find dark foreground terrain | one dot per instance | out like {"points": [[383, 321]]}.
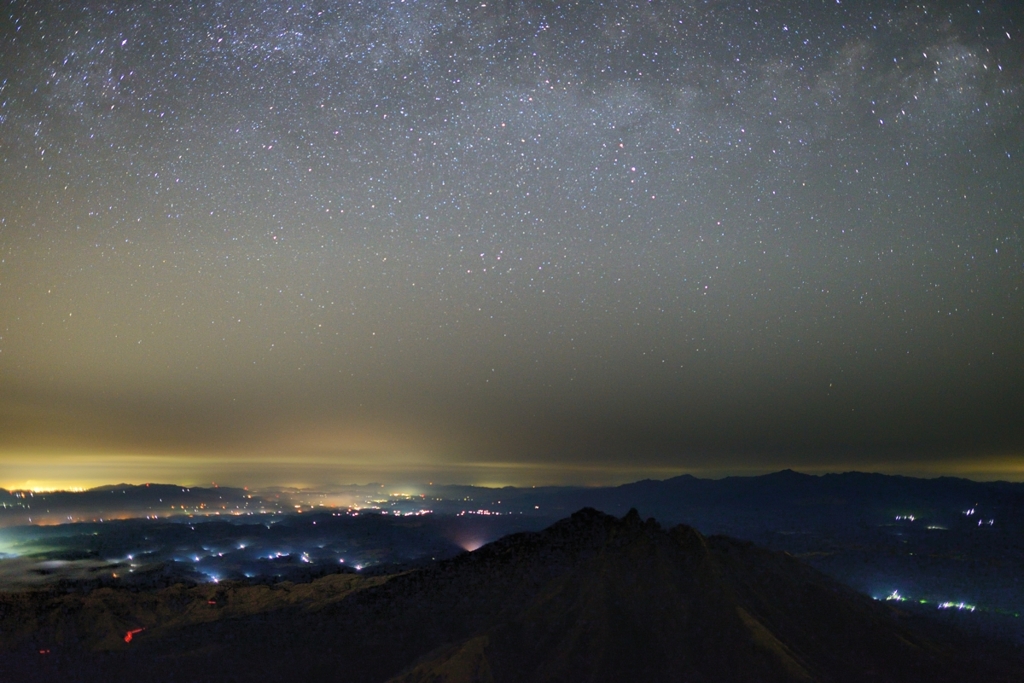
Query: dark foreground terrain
{"points": [[951, 548], [591, 598]]}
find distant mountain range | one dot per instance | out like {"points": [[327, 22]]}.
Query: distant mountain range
{"points": [[712, 505], [787, 497], [125, 500], [591, 598]]}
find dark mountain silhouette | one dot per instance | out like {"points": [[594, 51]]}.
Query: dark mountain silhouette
{"points": [[591, 598], [788, 499], [123, 501]]}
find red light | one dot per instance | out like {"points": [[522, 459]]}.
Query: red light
{"points": [[128, 636]]}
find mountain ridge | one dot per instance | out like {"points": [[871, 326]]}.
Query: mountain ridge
{"points": [[590, 598]]}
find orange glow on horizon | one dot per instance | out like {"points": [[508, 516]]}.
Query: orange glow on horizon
{"points": [[47, 472]]}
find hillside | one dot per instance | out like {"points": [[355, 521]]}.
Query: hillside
{"points": [[591, 598]]}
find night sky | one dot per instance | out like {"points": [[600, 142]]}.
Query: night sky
{"points": [[509, 242]]}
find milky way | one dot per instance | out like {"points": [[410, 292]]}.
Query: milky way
{"points": [[509, 241]]}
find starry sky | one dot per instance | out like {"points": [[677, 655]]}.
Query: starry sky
{"points": [[509, 242]]}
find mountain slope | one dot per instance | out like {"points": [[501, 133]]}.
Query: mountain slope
{"points": [[654, 605], [591, 598]]}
